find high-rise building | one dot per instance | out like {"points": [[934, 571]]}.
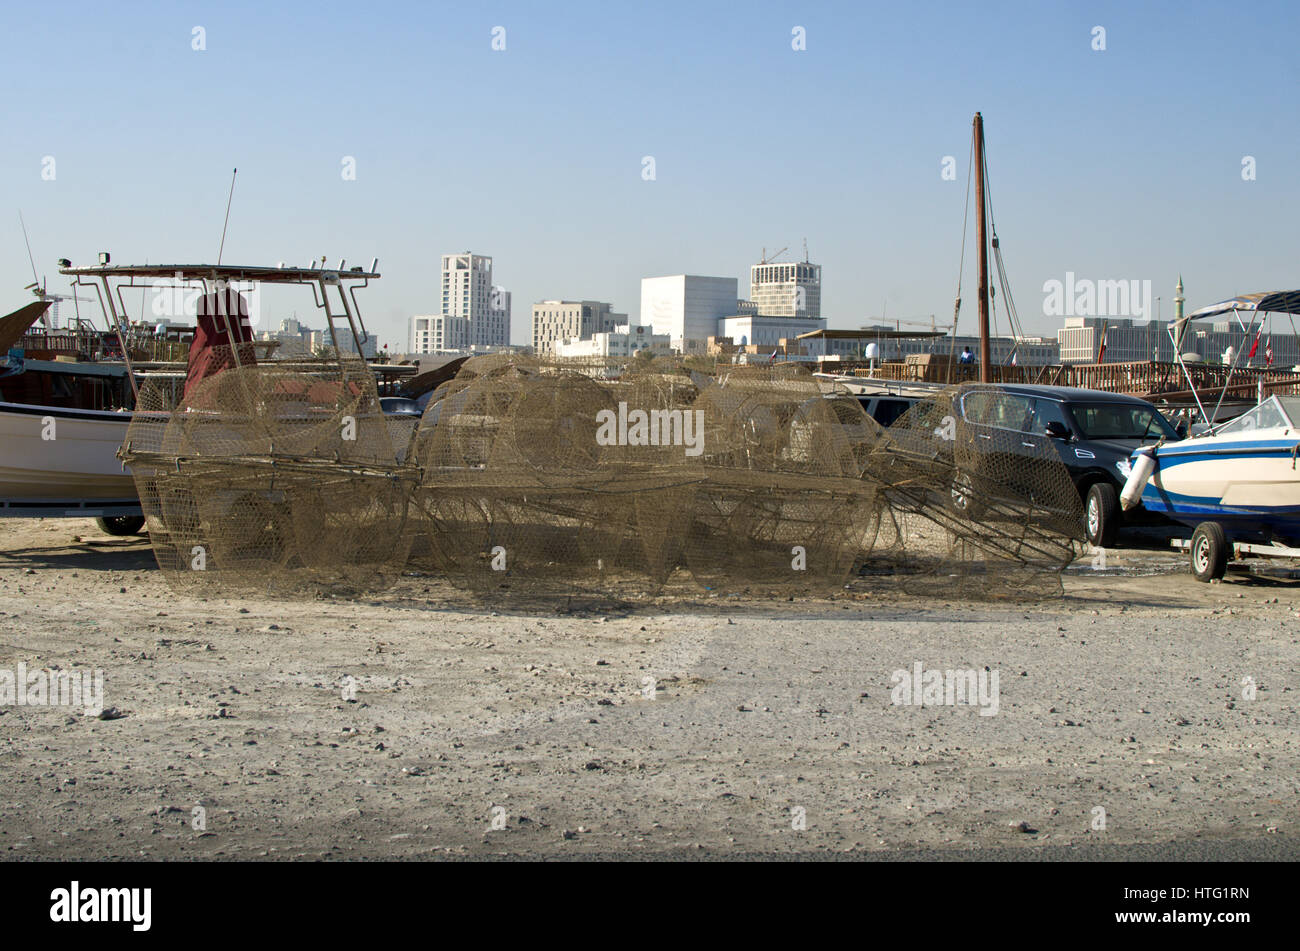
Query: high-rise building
{"points": [[437, 333], [687, 307], [467, 292], [499, 309], [786, 290], [473, 313], [555, 321], [1129, 341]]}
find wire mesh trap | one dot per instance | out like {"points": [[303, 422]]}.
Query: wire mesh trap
{"points": [[532, 479], [266, 479]]}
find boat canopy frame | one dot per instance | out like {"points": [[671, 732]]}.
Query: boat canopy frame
{"points": [[1257, 305], [108, 281], [1274, 302]]}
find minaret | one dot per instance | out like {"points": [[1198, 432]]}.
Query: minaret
{"points": [[1178, 316]]}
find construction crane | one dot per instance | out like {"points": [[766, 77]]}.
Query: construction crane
{"points": [[772, 259], [51, 317], [917, 323]]}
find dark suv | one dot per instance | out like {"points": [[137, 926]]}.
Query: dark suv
{"points": [[1093, 432]]}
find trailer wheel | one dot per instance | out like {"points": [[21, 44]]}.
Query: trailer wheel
{"points": [[120, 524], [1209, 551], [1102, 514]]}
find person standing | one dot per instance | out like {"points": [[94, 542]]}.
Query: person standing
{"points": [[967, 361]]}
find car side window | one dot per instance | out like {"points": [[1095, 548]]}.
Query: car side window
{"points": [[1047, 411], [978, 408], [1011, 412], [991, 408]]}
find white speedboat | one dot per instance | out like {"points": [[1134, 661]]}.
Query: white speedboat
{"points": [[1243, 476], [1239, 483]]}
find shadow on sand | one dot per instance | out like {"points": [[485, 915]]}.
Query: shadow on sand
{"points": [[99, 554]]}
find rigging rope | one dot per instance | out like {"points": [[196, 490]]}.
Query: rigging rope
{"points": [[1009, 304], [961, 264]]}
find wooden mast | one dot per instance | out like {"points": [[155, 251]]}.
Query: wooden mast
{"points": [[986, 362]]}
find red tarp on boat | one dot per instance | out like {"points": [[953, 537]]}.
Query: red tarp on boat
{"points": [[212, 349]]}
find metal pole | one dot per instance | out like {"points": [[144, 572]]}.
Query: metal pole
{"points": [[225, 224], [986, 361], [121, 337], [1150, 346]]}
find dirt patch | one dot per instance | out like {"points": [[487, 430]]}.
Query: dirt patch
{"points": [[420, 724]]}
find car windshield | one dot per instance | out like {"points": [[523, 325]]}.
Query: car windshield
{"points": [[1121, 421]]}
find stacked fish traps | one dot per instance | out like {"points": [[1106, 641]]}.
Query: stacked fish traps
{"points": [[784, 506], [265, 479], [527, 479], [558, 479], [511, 496]]}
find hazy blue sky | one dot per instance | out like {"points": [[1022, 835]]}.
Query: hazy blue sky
{"points": [[1119, 164]]}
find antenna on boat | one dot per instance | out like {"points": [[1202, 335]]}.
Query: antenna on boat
{"points": [[35, 278], [226, 224], [38, 286]]}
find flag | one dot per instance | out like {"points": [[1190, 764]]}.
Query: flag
{"points": [[773, 356], [1254, 344], [1101, 351], [1268, 351], [1014, 354]]}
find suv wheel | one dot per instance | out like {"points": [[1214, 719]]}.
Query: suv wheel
{"points": [[963, 498], [1101, 514]]}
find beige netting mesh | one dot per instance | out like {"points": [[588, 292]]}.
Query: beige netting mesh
{"points": [[783, 504], [271, 479], [980, 499], [513, 490], [553, 479]]}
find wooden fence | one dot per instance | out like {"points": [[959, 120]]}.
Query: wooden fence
{"points": [[1145, 378]]}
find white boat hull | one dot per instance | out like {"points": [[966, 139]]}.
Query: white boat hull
{"points": [[1250, 483], [1234, 482], [50, 453]]}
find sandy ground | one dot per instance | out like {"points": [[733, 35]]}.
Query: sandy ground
{"points": [[1126, 696]]}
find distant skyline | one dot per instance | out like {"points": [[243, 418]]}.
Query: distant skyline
{"points": [[1117, 164]]}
